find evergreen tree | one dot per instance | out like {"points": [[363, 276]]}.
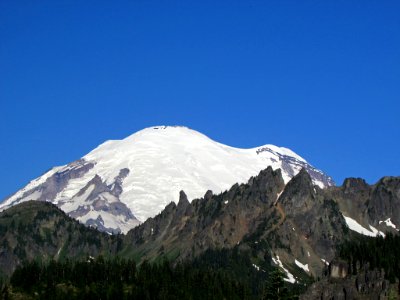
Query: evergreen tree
{"points": [[275, 287]]}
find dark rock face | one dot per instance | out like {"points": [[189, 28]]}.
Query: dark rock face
{"points": [[288, 162], [338, 269], [299, 222], [58, 181], [313, 224], [267, 185], [116, 187], [385, 200], [299, 195], [183, 207], [370, 204], [337, 284], [355, 185], [102, 198], [214, 221], [295, 222]]}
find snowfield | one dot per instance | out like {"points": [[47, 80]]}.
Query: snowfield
{"points": [[357, 227], [162, 161]]}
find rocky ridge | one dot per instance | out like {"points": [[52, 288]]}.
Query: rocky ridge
{"points": [[295, 226], [122, 183]]}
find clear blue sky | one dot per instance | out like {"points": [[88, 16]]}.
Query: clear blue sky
{"points": [[319, 77]]}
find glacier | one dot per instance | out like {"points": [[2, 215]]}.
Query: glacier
{"points": [[124, 182]]}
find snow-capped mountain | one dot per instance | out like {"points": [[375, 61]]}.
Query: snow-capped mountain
{"points": [[123, 182]]}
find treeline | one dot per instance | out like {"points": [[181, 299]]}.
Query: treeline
{"points": [[262, 281], [373, 252], [235, 264], [120, 279], [217, 274]]}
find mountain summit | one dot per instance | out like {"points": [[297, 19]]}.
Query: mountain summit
{"points": [[124, 182]]}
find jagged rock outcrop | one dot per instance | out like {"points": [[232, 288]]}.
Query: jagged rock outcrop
{"points": [[214, 221], [338, 284], [375, 205], [313, 225], [146, 171], [101, 201], [298, 222], [295, 221], [296, 226], [384, 201]]}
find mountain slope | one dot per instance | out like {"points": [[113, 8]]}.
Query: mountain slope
{"points": [[374, 207], [296, 222], [296, 226], [123, 182], [36, 230]]}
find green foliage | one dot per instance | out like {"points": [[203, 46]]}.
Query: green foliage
{"points": [[232, 263], [27, 277], [379, 252], [217, 274], [275, 287], [121, 279], [39, 229]]}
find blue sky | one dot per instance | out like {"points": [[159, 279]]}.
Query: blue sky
{"points": [[319, 77]]}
